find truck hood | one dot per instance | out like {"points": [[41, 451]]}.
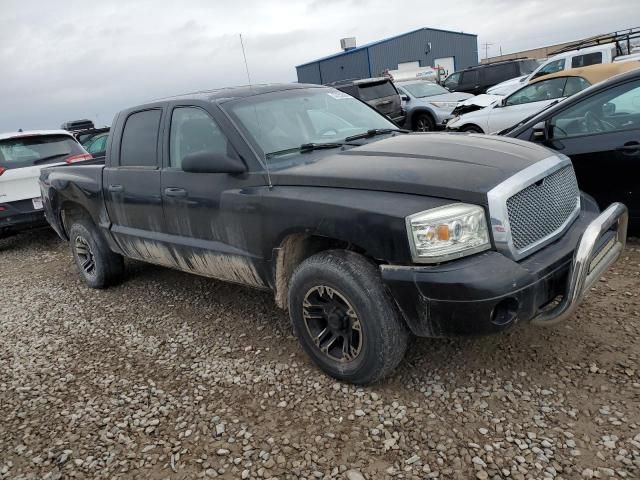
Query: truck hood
{"points": [[461, 167]]}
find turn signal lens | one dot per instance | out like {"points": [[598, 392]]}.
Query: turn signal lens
{"points": [[2, 170], [443, 233]]}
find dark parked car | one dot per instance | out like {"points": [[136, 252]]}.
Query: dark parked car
{"points": [[477, 79], [96, 144], [599, 129], [77, 125], [380, 93], [85, 137], [367, 234]]}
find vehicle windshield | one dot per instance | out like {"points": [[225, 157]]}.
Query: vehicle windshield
{"points": [[28, 150], [280, 123], [424, 89]]}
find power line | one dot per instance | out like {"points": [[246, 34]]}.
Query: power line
{"points": [[486, 49]]}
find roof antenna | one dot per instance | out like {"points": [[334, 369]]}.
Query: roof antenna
{"points": [[246, 65]]}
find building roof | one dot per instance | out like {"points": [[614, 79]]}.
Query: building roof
{"points": [[371, 44], [594, 73]]}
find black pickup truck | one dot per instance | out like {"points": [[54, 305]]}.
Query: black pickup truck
{"points": [[367, 234]]}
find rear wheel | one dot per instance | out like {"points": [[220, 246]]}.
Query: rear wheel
{"points": [[344, 318], [471, 129], [97, 264], [423, 122]]}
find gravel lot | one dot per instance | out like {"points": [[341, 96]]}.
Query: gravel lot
{"points": [[174, 376]]}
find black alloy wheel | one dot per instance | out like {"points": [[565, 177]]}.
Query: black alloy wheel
{"points": [[332, 323]]}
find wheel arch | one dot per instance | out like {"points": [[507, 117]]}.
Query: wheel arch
{"points": [[293, 250], [470, 124]]}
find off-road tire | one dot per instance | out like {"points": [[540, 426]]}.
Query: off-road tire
{"points": [[108, 266], [357, 280]]}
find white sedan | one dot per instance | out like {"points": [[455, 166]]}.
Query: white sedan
{"points": [[524, 102]]}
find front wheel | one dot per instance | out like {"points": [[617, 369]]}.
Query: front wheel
{"points": [[423, 123], [344, 318]]}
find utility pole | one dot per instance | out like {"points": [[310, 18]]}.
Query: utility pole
{"points": [[486, 49]]}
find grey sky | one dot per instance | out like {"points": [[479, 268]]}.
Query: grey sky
{"points": [[73, 59]]}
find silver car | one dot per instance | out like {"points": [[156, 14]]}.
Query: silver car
{"points": [[428, 106]]}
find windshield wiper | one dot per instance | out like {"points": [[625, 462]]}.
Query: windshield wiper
{"points": [[374, 132], [308, 147]]}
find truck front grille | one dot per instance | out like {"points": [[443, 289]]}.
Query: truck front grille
{"points": [[541, 209]]}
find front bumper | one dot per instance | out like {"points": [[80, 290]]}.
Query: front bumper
{"points": [[488, 292], [20, 215]]}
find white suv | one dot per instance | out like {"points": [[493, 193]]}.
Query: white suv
{"points": [[22, 156]]}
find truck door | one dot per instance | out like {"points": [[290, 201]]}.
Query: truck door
{"points": [[131, 183], [212, 220]]}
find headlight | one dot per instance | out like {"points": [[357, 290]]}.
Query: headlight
{"points": [[452, 122], [447, 105], [448, 232]]}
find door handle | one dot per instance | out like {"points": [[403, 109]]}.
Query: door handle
{"points": [[116, 188], [629, 148], [175, 192], [386, 102]]}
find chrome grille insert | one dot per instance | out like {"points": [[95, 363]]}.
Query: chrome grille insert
{"points": [[543, 207], [534, 207]]}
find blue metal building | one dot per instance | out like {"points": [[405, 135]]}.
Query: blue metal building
{"points": [[424, 45]]}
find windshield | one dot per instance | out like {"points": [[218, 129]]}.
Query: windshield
{"points": [[286, 120], [424, 89], [35, 150]]}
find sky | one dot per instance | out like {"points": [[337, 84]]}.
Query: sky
{"points": [[67, 59]]}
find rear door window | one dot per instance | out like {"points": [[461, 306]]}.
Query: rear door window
{"points": [[373, 91], [587, 59], [499, 73], [33, 150], [470, 78], [528, 66], [139, 144]]}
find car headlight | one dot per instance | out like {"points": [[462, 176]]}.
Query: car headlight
{"points": [[448, 232], [443, 105]]}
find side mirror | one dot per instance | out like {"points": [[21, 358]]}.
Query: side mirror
{"points": [[405, 98], [539, 132], [210, 162]]}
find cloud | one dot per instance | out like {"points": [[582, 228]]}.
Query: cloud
{"points": [[71, 59]]}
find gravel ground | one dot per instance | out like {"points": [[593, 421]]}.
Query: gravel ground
{"points": [[174, 376]]}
